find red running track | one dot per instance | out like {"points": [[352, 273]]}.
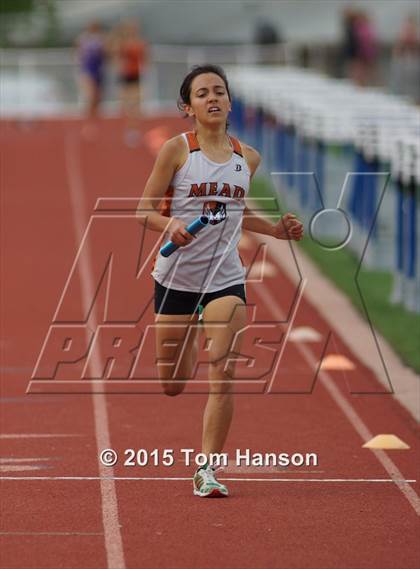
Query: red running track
{"points": [[61, 509]]}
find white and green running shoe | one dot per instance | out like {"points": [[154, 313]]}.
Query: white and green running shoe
{"points": [[206, 485]]}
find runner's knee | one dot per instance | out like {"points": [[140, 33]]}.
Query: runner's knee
{"points": [[222, 376]]}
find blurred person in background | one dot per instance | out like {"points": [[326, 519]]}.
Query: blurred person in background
{"points": [[92, 56], [130, 54], [348, 50], [360, 47], [405, 65], [267, 38], [364, 66]]}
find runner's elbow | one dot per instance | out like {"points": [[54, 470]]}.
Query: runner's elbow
{"points": [[142, 211]]}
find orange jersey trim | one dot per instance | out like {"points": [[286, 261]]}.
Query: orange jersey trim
{"points": [[236, 146], [192, 142]]}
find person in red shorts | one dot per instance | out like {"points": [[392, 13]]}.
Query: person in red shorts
{"points": [[131, 54]]}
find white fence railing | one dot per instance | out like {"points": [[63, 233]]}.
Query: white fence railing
{"points": [[348, 159], [45, 81]]}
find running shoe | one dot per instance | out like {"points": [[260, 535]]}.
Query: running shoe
{"points": [[206, 485]]}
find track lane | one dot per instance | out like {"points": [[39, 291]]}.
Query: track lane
{"points": [[290, 525]]}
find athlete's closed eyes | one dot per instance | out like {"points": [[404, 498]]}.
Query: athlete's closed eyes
{"points": [[204, 92]]}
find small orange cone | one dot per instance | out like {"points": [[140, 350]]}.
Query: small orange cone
{"points": [[386, 442], [337, 362]]}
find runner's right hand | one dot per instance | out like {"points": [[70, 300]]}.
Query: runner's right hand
{"points": [[178, 233]]}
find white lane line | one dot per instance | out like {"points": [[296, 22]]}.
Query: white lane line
{"points": [[20, 467], [347, 408], [35, 436], [49, 533], [113, 539], [17, 460], [189, 478], [9, 464]]}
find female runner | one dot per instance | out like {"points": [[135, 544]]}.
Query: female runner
{"points": [[92, 55], [204, 172]]}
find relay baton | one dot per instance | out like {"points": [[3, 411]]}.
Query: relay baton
{"points": [[193, 228]]}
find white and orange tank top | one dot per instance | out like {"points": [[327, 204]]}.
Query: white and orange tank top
{"points": [[204, 187]]}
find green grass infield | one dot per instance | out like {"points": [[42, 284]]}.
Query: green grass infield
{"points": [[400, 327]]}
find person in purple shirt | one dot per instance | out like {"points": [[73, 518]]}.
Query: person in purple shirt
{"points": [[92, 56]]}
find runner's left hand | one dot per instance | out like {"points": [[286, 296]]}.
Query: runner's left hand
{"points": [[289, 227]]}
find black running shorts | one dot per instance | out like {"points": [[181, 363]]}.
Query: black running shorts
{"points": [[170, 301]]}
